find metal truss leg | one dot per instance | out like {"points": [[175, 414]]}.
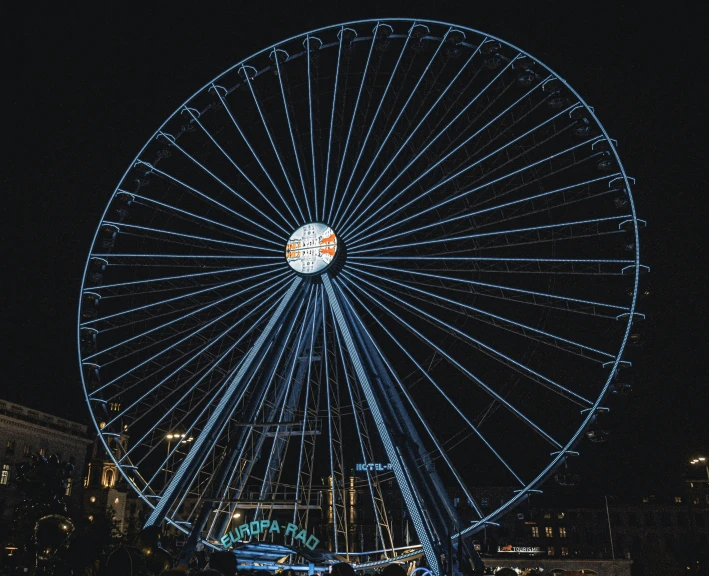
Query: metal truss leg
{"points": [[430, 541], [217, 421]]}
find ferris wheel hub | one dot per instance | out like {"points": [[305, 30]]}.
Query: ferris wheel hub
{"points": [[312, 248]]}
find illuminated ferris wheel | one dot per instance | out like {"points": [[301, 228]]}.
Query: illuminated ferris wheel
{"points": [[355, 276]]}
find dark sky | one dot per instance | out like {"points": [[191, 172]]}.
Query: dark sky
{"points": [[83, 91]]}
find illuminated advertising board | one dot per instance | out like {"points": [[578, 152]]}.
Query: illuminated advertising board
{"points": [[509, 549], [311, 248]]}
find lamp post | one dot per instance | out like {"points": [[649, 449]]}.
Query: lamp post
{"points": [[178, 438], [699, 461]]}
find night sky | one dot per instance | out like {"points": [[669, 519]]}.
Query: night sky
{"points": [[83, 91]]}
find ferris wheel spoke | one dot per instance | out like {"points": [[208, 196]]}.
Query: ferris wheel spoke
{"points": [[192, 216], [306, 407], [356, 415], [253, 152], [172, 141], [312, 130], [356, 214], [169, 279], [193, 357], [192, 189], [476, 188], [393, 125], [349, 132], [462, 368], [490, 209], [549, 338], [191, 237], [336, 458], [292, 136], [388, 215], [426, 374], [427, 146], [369, 132], [607, 219], [195, 119], [274, 282], [332, 122], [124, 313], [537, 298], [497, 355]]}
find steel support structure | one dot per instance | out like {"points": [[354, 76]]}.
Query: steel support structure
{"points": [[405, 468]]}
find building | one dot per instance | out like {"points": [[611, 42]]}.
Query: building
{"points": [[660, 534], [24, 431]]}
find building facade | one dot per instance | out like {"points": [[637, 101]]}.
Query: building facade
{"points": [[23, 432]]}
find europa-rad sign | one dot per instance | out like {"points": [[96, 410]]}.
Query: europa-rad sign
{"points": [[271, 527]]}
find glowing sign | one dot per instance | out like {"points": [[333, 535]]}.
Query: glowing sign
{"points": [[245, 531], [373, 467], [311, 248], [519, 549]]}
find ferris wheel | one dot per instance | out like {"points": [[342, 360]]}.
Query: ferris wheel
{"points": [[383, 253]]}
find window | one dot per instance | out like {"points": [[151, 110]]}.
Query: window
{"points": [[632, 518], [564, 551], [68, 488], [26, 450], [41, 451], [535, 531], [484, 502], [10, 447], [5, 478], [108, 478], [550, 550], [547, 515], [562, 532], [560, 515], [549, 531], [646, 499], [678, 499]]}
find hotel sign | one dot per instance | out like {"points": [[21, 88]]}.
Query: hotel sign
{"points": [[373, 467], [271, 527]]}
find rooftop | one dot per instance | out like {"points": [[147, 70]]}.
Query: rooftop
{"points": [[42, 419]]}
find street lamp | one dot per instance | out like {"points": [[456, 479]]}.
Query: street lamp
{"points": [[701, 460]]}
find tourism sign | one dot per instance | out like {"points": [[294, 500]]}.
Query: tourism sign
{"points": [[249, 529], [509, 549]]}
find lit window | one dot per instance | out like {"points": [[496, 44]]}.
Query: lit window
{"points": [[560, 515], [5, 474], [67, 492], [549, 531], [10, 447], [116, 501], [646, 499], [109, 478], [535, 531], [564, 551], [93, 498], [91, 518], [41, 451], [547, 515], [550, 550], [678, 499], [562, 532], [26, 450]]}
